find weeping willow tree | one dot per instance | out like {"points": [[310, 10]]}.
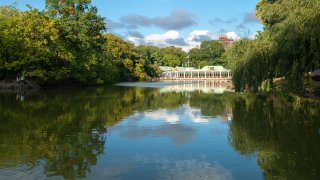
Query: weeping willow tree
{"points": [[288, 48]]}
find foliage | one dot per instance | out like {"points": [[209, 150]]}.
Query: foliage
{"points": [[133, 63], [172, 56], [66, 43], [151, 54], [28, 41], [288, 47], [209, 53]]}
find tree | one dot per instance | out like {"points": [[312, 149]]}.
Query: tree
{"points": [[177, 55], [65, 43], [123, 55], [132, 63], [29, 40], [152, 56], [209, 53], [288, 48], [80, 33], [195, 57], [170, 60]]}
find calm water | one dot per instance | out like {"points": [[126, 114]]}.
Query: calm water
{"points": [[167, 130]]}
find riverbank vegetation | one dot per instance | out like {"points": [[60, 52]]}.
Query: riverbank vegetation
{"points": [[287, 50], [67, 43]]}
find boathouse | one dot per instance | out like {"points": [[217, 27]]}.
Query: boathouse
{"points": [[207, 72]]}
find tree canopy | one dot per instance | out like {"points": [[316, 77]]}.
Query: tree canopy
{"points": [[287, 49], [67, 43], [209, 53]]}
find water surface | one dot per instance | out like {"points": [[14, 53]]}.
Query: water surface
{"points": [[166, 130]]}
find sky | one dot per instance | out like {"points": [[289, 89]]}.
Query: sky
{"points": [[181, 23]]}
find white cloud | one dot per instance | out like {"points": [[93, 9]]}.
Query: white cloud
{"points": [[187, 169], [233, 35], [160, 39], [193, 39], [197, 33], [195, 115], [163, 115]]}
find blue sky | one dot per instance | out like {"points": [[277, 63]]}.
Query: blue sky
{"points": [[183, 23]]}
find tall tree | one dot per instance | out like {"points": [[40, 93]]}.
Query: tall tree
{"points": [[288, 48], [80, 29], [29, 40]]}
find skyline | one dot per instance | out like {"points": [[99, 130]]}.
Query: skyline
{"points": [[181, 23]]}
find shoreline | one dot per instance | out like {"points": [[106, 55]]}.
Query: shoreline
{"points": [[12, 85]]}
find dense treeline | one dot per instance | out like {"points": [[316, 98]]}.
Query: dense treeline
{"points": [[66, 42], [287, 50]]}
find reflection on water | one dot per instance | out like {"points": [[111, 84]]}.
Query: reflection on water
{"points": [[205, 86], [284, 133], [144, 133]]}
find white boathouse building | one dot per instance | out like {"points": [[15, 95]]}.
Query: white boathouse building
{"points": [[207, 72]]}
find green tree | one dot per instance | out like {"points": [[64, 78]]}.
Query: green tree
{"points": [[209, 53], [170, 60], [133, 63], [29, 40], [287, 49], [177, 55], [152, 56], [195, 57], [80, 33], [123, 56]]}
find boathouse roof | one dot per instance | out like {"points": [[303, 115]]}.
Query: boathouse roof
{"points": [[216, 68]]}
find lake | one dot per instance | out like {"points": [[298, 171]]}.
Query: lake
{"points": [[160, 130]]}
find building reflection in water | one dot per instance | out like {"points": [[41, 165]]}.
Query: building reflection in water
{"points": [[202, 86], [205, 86]]}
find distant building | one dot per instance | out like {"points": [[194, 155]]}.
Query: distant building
{"points": [[223, 39], [207, 72]]}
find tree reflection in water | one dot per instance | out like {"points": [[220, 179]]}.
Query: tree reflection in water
{"points": [[282, 131], [64, 131]]}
